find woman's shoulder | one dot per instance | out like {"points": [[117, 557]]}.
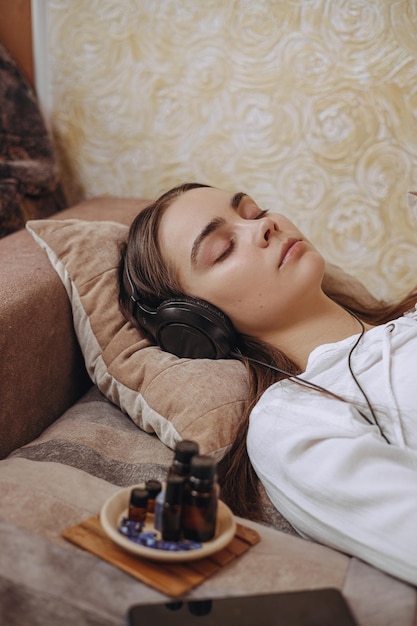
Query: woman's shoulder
{"points": [[288, 404]]}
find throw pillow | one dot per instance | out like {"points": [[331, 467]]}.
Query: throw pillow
{"points": [[174, 398]]}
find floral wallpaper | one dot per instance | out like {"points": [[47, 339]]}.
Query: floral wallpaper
{"points": [[310, 106]]}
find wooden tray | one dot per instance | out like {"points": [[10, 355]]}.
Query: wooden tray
{"points": [[173, 579]]}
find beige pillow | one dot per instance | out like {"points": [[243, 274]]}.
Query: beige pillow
{"points": [[174, 398]]}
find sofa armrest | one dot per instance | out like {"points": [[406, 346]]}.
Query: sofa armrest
{"points": [[42, 371]]}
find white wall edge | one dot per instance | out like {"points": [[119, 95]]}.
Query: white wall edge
{"points": [[41, 55]]}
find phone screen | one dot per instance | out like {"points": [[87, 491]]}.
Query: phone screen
{"points": [[318, 607]]}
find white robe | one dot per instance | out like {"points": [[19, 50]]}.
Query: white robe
{"points": [[330, 472]]}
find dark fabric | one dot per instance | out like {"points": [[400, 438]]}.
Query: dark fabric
{"points": [[29, 173]]}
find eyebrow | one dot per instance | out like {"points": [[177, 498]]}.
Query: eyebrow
{"points": [[213, 225]]}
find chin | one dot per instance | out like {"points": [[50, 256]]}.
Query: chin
{"points": [[314, 264]]}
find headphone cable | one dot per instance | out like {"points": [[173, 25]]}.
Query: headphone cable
{"points": [[316, 387]]}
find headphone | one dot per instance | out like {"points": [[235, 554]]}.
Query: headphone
{"points": [[188, 327]]}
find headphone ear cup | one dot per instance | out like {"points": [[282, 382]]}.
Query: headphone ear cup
{"points": [[193, 328]]}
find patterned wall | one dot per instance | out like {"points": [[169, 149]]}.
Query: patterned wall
{"points": [[308, 105]]}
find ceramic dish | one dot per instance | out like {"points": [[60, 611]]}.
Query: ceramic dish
{"points": [[117, 506]]}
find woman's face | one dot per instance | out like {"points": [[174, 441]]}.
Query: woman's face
{"points": [[255, 266]]}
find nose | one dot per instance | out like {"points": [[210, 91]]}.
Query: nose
{"points": [[266, 227]]}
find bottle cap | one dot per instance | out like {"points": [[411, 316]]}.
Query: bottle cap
{"points": [[153, 487], [185, 450], [203, 467], [175, 486], [139, 497]]}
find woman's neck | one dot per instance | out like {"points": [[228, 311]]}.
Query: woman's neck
{"points": [[326, 322]]}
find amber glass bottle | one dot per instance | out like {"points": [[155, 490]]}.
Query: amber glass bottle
{"points": [[153, 487], [201, 492], [184, 451], [172, 509], [138, 505]]}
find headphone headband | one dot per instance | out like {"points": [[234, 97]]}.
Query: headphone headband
{"points": [[187, 327]]}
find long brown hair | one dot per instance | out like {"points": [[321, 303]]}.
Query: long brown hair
{"points": [[156, 281]]}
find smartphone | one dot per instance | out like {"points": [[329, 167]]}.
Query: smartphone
{"points": [[316, 607]]}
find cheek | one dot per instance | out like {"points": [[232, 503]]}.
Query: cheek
{"points": [[244, 285], [249, 310]]}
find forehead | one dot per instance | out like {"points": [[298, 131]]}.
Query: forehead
{"points": [[200, 201], [191, 211], [184, 219]]}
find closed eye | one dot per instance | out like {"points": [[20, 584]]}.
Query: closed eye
{"points": [[261, 214], [227, 252]]}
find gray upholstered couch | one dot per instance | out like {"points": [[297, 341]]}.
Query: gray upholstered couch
{"points": [[66, 448]]}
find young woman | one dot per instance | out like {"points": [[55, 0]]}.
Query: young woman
{"points": [[331, 427]]}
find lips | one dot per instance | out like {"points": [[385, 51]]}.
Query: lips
{"points": [[286, 249]]}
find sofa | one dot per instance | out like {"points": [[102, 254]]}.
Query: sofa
{"points": [[89, 407]]}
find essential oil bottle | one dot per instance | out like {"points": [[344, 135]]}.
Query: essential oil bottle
{"points": [[185, 450], [201, 493], [153, 487], [138, 504], [172, 508]]}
